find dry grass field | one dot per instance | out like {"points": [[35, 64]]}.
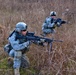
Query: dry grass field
{"points": [[62, 59]]}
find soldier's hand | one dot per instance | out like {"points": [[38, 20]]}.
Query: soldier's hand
{"points": [[28, 43], [42, 40]]}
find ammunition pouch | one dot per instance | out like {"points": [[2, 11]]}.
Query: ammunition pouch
{"points": [[25, 50]]}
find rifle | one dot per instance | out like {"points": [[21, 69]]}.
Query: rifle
{"points": [[32, 37], [59, 22]]}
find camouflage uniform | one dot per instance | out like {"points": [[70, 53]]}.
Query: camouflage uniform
{"points": [[18, 47], [49, 25]]}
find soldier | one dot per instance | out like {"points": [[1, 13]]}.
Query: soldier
{"points": [[17, 47], [51, 23], [48, 25]]}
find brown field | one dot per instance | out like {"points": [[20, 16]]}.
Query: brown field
{"points": [[62, 59]]}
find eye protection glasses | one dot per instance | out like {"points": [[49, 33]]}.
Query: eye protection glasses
{"points": [[24, 30]]}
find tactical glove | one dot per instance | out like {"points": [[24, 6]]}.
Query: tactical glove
{"points": [[42, 40], [27, 43]]}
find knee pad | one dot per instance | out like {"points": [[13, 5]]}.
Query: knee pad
{"points": [[18, 54]]}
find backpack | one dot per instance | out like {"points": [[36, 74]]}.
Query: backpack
{"points": [[8, 48]]}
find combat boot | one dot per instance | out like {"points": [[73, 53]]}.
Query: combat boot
{"points": [[16, 71]]}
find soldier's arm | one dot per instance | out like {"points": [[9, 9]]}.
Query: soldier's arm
{"points": [[15, 43]]}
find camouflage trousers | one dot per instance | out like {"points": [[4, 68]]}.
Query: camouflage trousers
{"points": [[20, 60]]}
